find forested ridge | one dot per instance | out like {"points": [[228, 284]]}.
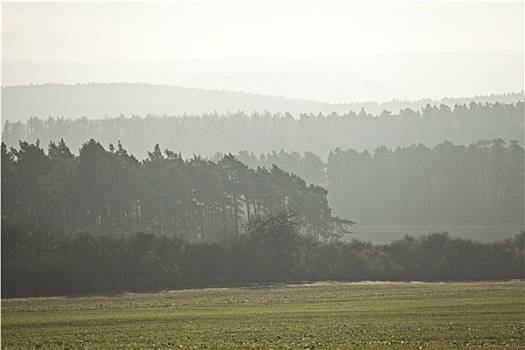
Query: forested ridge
{"points": [[261, 132], [108, 100], [386, 168], [256, 198]]}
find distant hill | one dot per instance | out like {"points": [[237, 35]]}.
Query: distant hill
{"points": [[101, 100]]}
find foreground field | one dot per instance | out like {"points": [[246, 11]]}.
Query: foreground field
{"points": [[307, 316]]}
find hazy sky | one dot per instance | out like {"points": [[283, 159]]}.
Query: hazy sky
{"points": [[137, 32], [104, 32]]}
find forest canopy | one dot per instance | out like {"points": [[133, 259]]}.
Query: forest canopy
{"points": [[109, 189], [111, 192], [262, 133], [477, 183]]}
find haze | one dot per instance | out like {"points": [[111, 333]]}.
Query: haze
{"points": [[332, 52], [174, 145]]}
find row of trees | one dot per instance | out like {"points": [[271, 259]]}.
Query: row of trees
{"points": [[481, 182], [265, 132], [111, 192], [38, 259]]}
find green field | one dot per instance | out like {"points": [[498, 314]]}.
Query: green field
{"points": [[306, 316]]}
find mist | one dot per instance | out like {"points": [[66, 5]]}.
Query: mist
{"points": [[359, 78], [334, 53], [150, 146]]}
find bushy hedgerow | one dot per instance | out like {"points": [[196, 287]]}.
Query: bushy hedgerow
{"points": [[38, 259]]}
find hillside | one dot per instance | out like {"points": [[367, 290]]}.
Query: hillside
{"points": [[97, 100], [208, 134]]}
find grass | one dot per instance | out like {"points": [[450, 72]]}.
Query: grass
{"points": [[306, 316], [483, 233]]}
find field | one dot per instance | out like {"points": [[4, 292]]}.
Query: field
{"points": [[484, 233], [305, 316]]}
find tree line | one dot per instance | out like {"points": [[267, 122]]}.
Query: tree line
{"points": [[108, 100], [478, 183], [101, 190], [109, 191], [104, 221], [39, 259], [261, 132]]}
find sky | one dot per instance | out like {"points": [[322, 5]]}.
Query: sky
{"points": [[346, 36]]}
